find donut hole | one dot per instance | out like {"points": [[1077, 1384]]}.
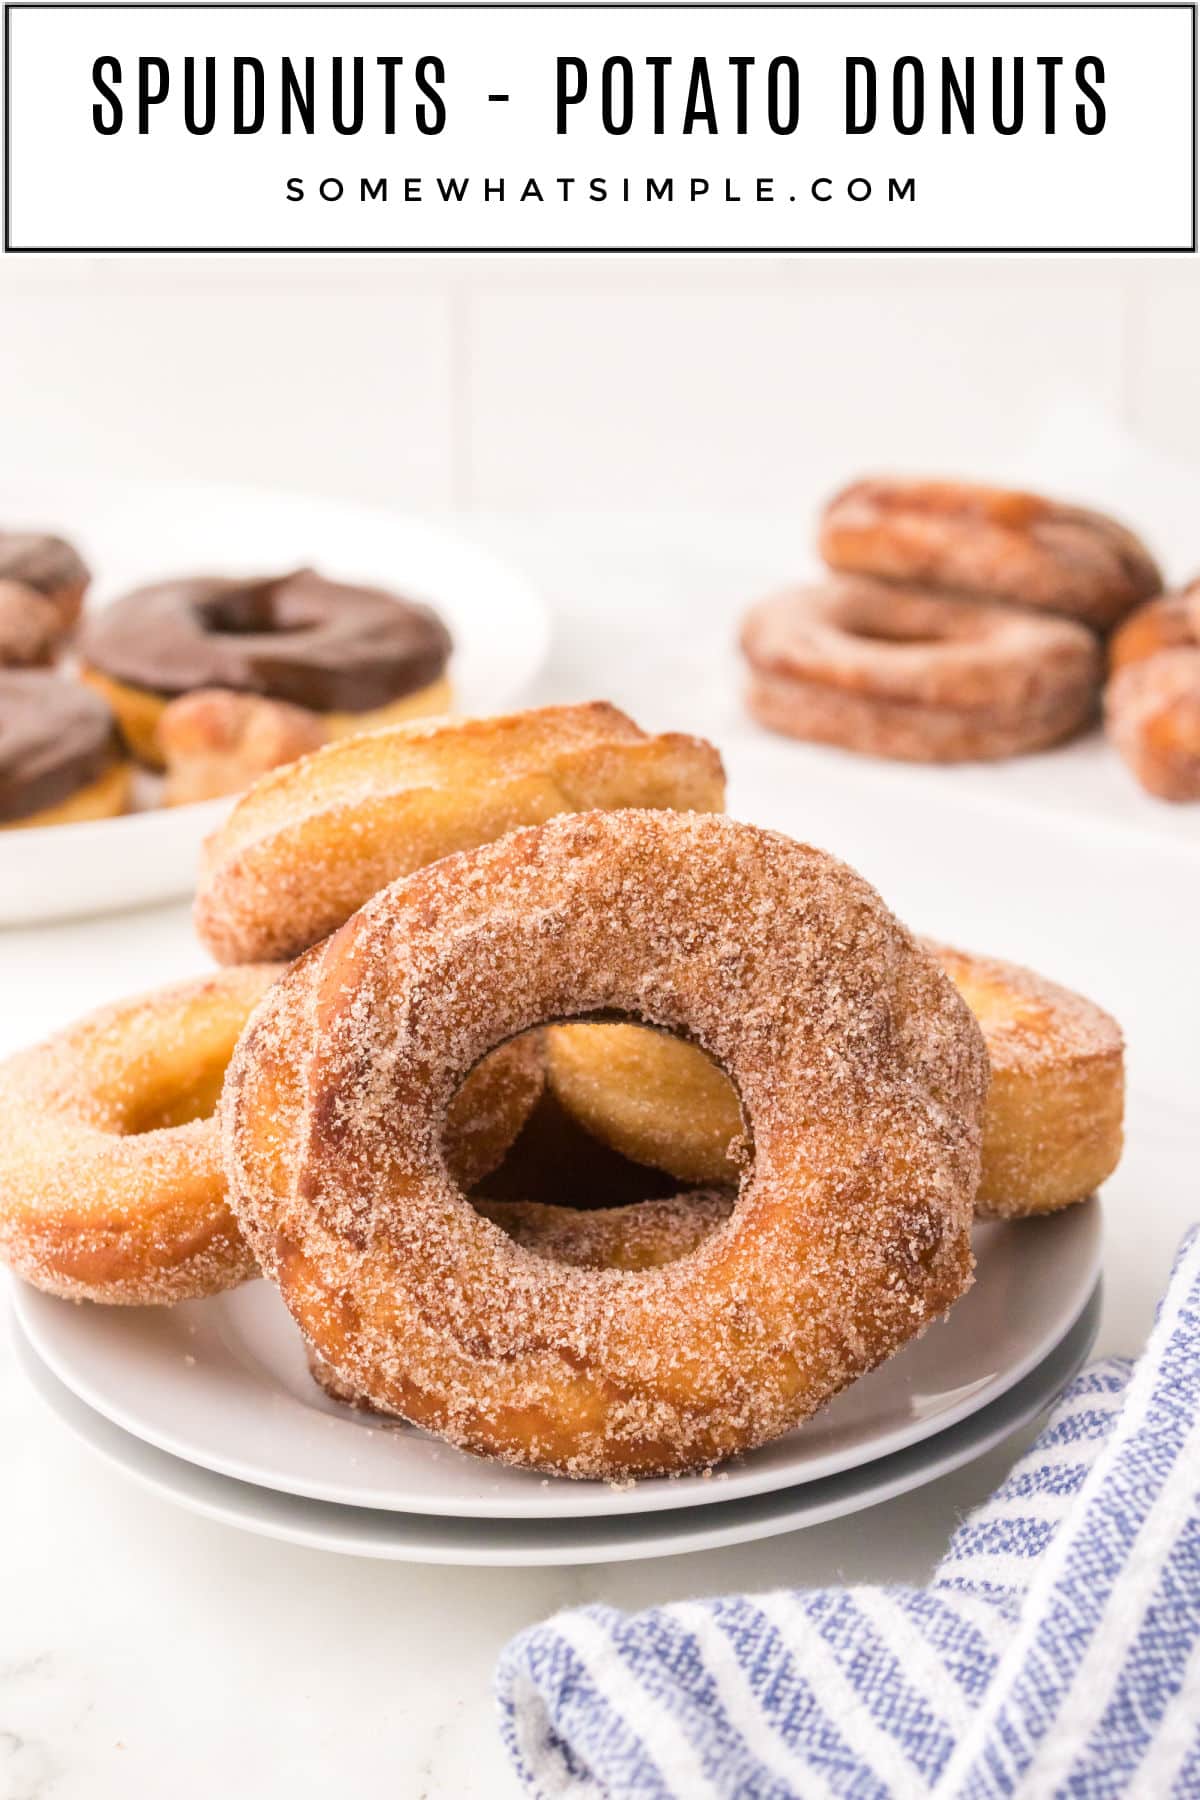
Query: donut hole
{"points": [[170, 1103], [629, 1113], [254, 609]]}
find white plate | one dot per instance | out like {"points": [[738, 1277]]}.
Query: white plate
{"points": [[407, 1537], [135, 532], [224, 1383]]}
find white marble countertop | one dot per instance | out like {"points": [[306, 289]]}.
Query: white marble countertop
{"points": [[145, 1651]]}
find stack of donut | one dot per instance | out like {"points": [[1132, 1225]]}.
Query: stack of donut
{"points": [[958, 623], [416, 926], [214, 680]]}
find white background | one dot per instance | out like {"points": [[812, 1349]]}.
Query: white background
{"points": [[1128, 187]]}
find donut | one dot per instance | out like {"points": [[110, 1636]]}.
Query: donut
{"points": [[643, 1236], [213, 742], [1172, 622], [308, 844], [111, 1187], [30, 632], [899, 672], [357, 656], [60, 758], [1051, 1131], [1152, 702], [51, 567], [992, 544], [110, 1176], [861, 1072]]}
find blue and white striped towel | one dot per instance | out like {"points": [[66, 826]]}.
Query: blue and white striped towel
{"points": [[1056, 1650]]}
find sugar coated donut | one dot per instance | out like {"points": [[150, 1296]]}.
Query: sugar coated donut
{"points": [[308, 844], [110, 1178], [51, 567], [1152, 703], [646, 1235], [892, 671], [111, 1185], [992, 543], [357, 656], [862, 1076], [1051, 1132], [60, 758]]}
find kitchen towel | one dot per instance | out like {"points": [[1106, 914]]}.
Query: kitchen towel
{"points": [[1056, 1650]]}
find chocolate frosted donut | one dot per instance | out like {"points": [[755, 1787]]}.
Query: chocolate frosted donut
{"points": [[48, 565], [993, 543], [59, 756], [356, 655], [893, 671]]}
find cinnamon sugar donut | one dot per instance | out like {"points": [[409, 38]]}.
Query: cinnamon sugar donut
{"points": [[898, 672], [1152, 703], [991, 543], [861, 1073], [646, 1235], [309, 843], [111, 1186], [1051, 1131]]}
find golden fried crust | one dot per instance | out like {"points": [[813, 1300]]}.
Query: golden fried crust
{"points": [[1052, 1129], [861, 1072], [309, 844], [993, 543], [910, 673], [111, 1186], [110, 1179]]}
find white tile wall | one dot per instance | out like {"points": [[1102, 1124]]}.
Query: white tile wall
{"points": [[594, 384]]}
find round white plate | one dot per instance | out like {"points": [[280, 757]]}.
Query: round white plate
{"points": [[407, 1537], [134, 532], [224, 1383]]}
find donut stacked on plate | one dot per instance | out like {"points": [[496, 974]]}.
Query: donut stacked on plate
{"points": [[211, 679], [458, 897], [958, 623]]}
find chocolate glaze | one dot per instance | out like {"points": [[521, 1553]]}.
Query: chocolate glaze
{"points": [[55, 737], [40, 561], [296, 637]]}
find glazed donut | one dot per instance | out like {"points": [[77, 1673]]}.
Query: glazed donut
{"points": [[51, 567], [990, 543], [1051, 1131], [306, 846], [213, 742], [357, 656], [891, 671], [1152, 703], [30, 632], [840, 1034], [60, 758], [111, 1186]]}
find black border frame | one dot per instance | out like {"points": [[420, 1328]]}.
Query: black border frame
{"points": [[12, 6]]}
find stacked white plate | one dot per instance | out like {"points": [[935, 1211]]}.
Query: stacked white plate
{"points": [[211, 1404]]}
